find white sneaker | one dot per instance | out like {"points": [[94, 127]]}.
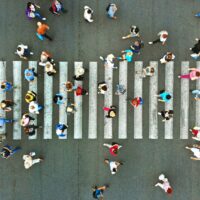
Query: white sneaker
{"points": [[123, 37], [31, 53], [190, 49], [150, 42], [197, 39], [44, 18], [101, 58]]}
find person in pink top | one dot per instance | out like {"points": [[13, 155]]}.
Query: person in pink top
{"points": [[193, 75], [113, 148]]}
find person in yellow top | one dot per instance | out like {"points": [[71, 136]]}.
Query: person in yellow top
{"points": [[30, 96]]}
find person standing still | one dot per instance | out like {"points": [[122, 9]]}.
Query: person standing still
{"points": [[42, 29]]}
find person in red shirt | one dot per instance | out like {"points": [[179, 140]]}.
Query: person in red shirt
{"points": [[80, 91], [113, 148], [136, 101], [42, 29]]}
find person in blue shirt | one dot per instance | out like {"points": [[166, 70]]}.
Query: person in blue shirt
{"points": [[126, 55], [111, 9], [98, 192], [60, 130], [164, 96], [30, 74], [6, 86], [58, 99], [8, 151]]}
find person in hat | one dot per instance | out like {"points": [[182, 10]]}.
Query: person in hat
{"points": [[6, 86], [163, 35], [195, 132], [136, 102], [46, 57], [49, 68], [30, 96], [102, 87], [81, 91], [169, 56], [111, 10], [113, 165], [164, 96], [34, 107], [60, 130], [88, 14], [79, 73], [166, 114], [134, 32], [7, 151], [29, 161], [109, 61], [57, 7], [146, 72], [113, 148], [165, 185], [30, 74], [69, 87], [195, 149], [111, 111], [6, 105], [26, 120], [23, 51], [98, 191], [193, 75], [42, 29]]}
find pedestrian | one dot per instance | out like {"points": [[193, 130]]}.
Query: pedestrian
{"points": [[30, 129], [111, 111], [6, 105], [111, 10], [98, 191], [79, 73], [113, 148], [60, 130], [32, 13], [41, 31], [134, 32], [30, 96], [109, 61], [113, 165], [71, 107], [136, 47], [30, 74], [4, 121], [46, 57], [126, 55], [58, 99], [26, 120], [57, 7], [23, 51], [135, 102], [165, 185], [29, 161], [166, 114], [146, 72], [102, 87], [164, 96], [195, 50], [196, 151], [163, 35], [49, 68], [195, 132], [88, 14], [196, 94], [69, 87], [194, 74], [7, 151], [120, 89], [6, 86], [34, 107], [169, 56], [81, 91]]}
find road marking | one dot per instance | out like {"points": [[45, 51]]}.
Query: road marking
{"points": [[2, 94], [153, 103], [63, 70], [17, 98], [198, 101], [48, 106], [108, 102], [138, 110], [169, 87], [33, 87], [78, 102], [92, 126], [122, 122], [184, 102]]}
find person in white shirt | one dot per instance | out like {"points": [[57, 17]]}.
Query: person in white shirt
{"points": [[88, 13], [169, 56], [29, 161], [113, 165], [109, 61], [23, 51], [162, 38], [35, 107], [196, 151]]}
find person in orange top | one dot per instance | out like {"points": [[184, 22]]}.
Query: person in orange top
{"points": [[42, 29]]}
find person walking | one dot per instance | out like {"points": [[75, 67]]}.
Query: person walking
{"points": [[166, 114], [169, 56], [46, 57], [111, 111], [196, 94], [7, 151], [71, 107], [135, 102], [41, 31], [58, 99], [30, 74], [136, 47], [126, 55], [164, 96], [111, 10], [79, 73], [30, 129], [57, 7], [98, 191], [165, 185], [49, 69], [195, 149], [69, 87], [5, 121], [81, 91], [163, 35], [29, 161], [109, 61], [30, 96], [195, 50], [134, 32], [113, 148], [26, 120], [195, 132], [88, 14], [113, 165], [102, 87], [6, 86], [146, 72], [34, 107], [60, 130], [194, 74], [23, 51], [6, 105]]}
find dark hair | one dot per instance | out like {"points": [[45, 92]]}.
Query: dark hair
{"points": [[137, 29], [19, 48], [198, 74], [3, 86], [152, 70], [89, 11], [168, 96], [29, 4], [104, 87], [114, 169]]}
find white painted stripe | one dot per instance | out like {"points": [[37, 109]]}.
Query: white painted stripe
{"points": [[108, 102], [169, 87], [198, 102], [92, 126], [17, 98], [122, 128], [184, 102], [33, 87], [2, 94], [153, 103], [138, 110], [78, 114], [48, 107], [62, 108]]}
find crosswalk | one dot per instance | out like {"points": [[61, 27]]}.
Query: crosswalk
{"points": [[137, 89]]}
